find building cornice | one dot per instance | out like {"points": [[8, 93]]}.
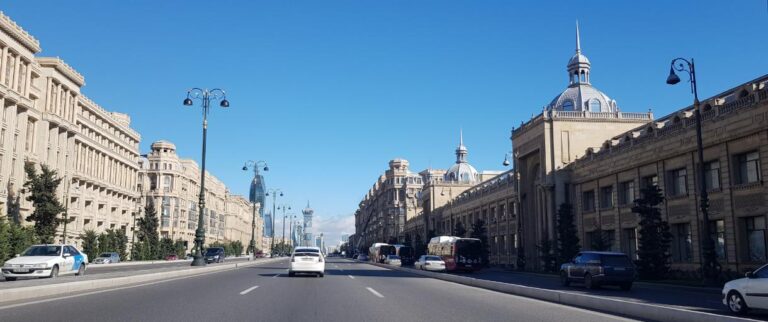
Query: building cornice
{"points": [[21, 35], [63, 68]]}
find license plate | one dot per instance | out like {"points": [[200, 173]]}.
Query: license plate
{"points": [[307, 259], [22, 270]]}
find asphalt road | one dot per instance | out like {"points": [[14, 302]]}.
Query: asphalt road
{"points": [[100, 271], [350, 291]]}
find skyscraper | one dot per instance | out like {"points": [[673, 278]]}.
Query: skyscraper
{"points": [[257, 194], [308, 212], [268, 225]]}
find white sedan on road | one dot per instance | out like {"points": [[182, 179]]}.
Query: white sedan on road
{"points": [[46, 261], [430, 263], [750, 292], [307, 260]]}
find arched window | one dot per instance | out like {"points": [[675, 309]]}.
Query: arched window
{"points": [[594, 106], [583, 77], [568, 106]]}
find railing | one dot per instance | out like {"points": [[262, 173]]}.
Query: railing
{"points": [[601, 115], [737, 104]]}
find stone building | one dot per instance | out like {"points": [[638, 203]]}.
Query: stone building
{"points": [[606, 179], [237, 225], [173, 185], [387, 206], [47, 120]]}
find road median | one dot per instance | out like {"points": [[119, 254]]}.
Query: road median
{"points": [[70, 288], [643, 311]]}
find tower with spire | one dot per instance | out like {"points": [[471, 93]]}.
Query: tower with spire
{"points": [[308, 213], [462, 171]]}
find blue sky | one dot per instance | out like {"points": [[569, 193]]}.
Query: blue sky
{"points": [[328, 91]]}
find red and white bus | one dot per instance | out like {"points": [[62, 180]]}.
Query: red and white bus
{"points": [[459, 254], [379, 251]]}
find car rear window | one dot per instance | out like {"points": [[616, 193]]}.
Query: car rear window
{"points": [[434, 258], [615, 260], [307, 254], [306, 250]]}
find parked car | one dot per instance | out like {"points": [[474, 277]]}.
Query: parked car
{"points": [[107, 258], [307, 260], [214, 255], [355, 256], [430, 263], [172, 257], [599, 268], [749, 292], [46, 261], [363, 258], [393, 260]]}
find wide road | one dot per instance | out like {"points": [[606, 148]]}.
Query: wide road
{"points": [[350, 291]]}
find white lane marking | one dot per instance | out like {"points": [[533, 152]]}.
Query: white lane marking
{"points": [[350, 276], [276, 276], [374, 292], [248, 290]]}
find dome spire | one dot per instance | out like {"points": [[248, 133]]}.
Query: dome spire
{"points": [[461, 150], [578, 65], [578, 39]]}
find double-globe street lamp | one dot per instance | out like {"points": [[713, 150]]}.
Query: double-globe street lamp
{"points": [[205, 96], [274, 193], [255, 165], [284, 207], [710, 268]]}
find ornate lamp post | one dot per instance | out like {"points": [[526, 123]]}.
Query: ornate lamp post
{"points": [[274, 193], [205, 96], [284, 207], [710, 268], [255, 165]]}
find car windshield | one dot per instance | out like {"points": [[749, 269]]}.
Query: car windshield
{"points": [[105, 255], [434, 258], [212, 251], [393, 257], [306, 250], [42, 251], [615, 260]]}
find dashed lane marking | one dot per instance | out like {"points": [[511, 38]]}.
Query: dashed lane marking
{"points": [[374, 292], [350, 276], [248, 290]]}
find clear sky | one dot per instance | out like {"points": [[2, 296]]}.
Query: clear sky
{"points": [[329, 91]]}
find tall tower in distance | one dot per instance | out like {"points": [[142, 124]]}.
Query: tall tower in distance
{"points": [[308, 212]]}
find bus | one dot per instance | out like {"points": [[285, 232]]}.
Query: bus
{"points": [[459, 254], [406, 254], [379, 251]]}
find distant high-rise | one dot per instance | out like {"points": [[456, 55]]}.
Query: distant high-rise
{"points": [[268, 225], [258, 190], [308, 212]]}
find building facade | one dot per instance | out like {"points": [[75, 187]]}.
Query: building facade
{"points": [[46, 120], [308, 213]]}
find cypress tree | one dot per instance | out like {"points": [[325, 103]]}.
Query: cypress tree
{"points": [[567, 245], [42, 193], [655, 238]]}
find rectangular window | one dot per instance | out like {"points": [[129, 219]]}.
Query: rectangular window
{"points": [[626, 193], [712, 175], [755, 227], [717, 233], [606, 197], [681, 243], [748, 168], [588, 201], [677, 182], [629, 242]]}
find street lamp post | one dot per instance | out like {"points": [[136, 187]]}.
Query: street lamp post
{"points": [[255, 165], [205, 96], [291, 230], [284, 208], [274, 193], [710, 268]]}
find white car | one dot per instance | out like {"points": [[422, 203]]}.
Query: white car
{"points": [[393, 260], [430, 263], [46, 261], [750, 292], [307, 260]]}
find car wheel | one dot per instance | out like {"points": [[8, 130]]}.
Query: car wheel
{"points": [[10, 279], [588, 283], [291, 274], [80, 270], [54, 272], [736, 303], [564, 281], [626, 286], [320, 274]]}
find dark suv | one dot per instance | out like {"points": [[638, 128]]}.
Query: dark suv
{"points": [[599, 268], [214, 255]]}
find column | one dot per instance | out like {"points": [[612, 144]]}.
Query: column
{"points": [[4, 65]]}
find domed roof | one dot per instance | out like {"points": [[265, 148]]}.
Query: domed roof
{"points": [[578, 58], [462, 171], [582, 97]]}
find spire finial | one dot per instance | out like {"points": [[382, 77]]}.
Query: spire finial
{"points": [[461, 137], [307, 204], [578, 40]]}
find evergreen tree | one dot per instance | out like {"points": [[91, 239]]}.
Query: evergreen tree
{"points": [[601, 241], [167, 247], [655, 238], [121, 243], [90, 244], [459, 230], [567, 245], [6, 249], [148, 235], [103, 244], [548, 256], [179, 249], [22, 237], [14, 207], [42, 193], [479, 232]]}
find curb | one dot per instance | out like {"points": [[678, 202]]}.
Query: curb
{"points": [[629, 309], [159, 261], [23, 293]]}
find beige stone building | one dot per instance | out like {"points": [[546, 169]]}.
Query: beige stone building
{"points": [[47, 120], [237, 225], [173, 184]]}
